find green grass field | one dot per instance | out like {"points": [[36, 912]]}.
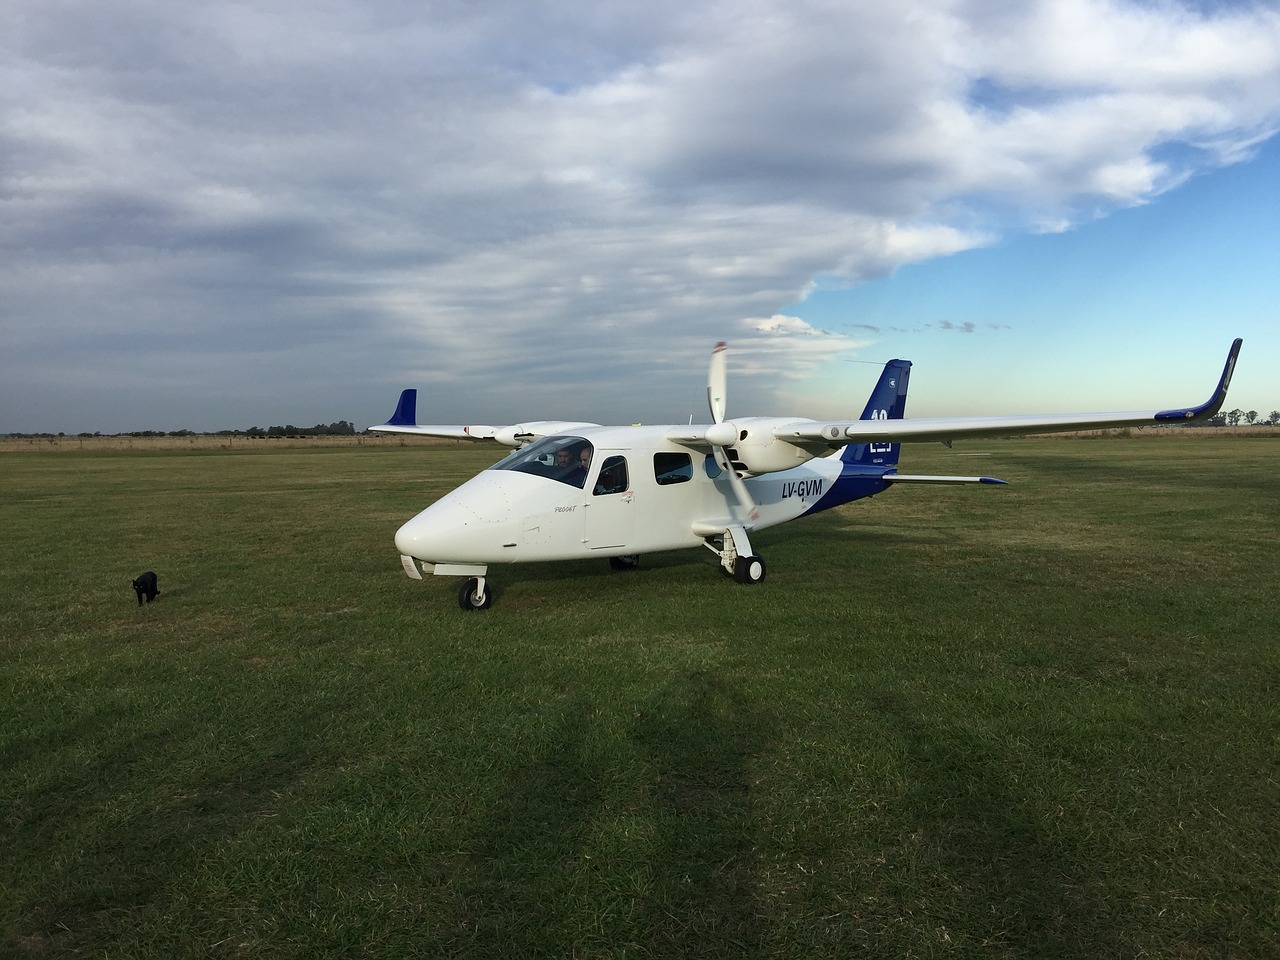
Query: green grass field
{"points": [[1033, 721]]}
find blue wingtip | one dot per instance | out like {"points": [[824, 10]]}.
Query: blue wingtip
{"points": [[406, 414], [992, 480], [1211, 406]]}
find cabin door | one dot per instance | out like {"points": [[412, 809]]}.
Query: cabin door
{"points": [[611, 507]]}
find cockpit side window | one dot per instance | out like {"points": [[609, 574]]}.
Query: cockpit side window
{"points": [[613, 476], [672, 468], [564, 459]]}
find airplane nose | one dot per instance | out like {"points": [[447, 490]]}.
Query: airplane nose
{"points": [[437, 533], [409, 540], [462, 525]]}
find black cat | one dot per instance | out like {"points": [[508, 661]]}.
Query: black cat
{"points": [[146, 584]]}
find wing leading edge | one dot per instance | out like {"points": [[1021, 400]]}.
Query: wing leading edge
{"points": [[839, 432], [405, 420]]}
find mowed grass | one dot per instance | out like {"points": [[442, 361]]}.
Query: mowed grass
{"points": [[1033, 721]]}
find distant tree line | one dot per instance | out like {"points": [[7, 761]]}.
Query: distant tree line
{"points": [[1237, 418], [340, 429]]}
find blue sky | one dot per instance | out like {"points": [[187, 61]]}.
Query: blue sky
{"points": [[225, 215], [1133, 309]]}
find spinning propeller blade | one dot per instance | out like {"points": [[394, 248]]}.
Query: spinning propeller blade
{"points": [[724, 433], [716, 380]]}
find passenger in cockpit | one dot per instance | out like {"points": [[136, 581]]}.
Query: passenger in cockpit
{"points": [[584, 462]]}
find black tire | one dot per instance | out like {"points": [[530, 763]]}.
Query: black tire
{"points": [[469, 597], [749, 570], [629, 562]]}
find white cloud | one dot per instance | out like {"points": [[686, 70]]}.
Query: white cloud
{"points": [[782, 325], [474, 191]]}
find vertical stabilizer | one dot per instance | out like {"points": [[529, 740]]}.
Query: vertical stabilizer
{"points": [[888, 402]]}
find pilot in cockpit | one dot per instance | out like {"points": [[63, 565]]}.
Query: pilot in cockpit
{"points": [[571, 464]]}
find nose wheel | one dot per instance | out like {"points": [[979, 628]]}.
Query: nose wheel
{"points": [[474, 594]]}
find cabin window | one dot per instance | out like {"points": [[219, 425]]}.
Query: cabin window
{"points": [[613, 476], [712, 468], [564, 459], [672, 468]]}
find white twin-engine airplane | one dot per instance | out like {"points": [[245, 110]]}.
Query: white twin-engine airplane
{"points": [[573, 490]]}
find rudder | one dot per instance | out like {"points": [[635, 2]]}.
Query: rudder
{"points": [[888, 401]]}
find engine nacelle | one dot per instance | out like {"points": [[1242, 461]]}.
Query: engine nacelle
{"points": [[756, 450], [519, 434]]}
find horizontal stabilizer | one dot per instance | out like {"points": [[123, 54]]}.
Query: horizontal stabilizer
{"points": [[916, 478]]}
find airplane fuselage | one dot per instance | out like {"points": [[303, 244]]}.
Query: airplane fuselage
{"points": [[672, 498]]}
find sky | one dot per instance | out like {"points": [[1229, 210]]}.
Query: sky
{"points": [[224, 215]]}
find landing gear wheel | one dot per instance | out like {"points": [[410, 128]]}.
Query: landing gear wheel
{"points": [[749, 569], [474, 594], [629, 562]]}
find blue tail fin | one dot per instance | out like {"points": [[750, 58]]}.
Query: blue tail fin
{"points": [[888, 402]]}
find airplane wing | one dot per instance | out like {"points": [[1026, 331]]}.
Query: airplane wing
{"points": [[405, 420], [839, 432]]}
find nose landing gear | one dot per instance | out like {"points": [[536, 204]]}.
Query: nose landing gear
{"points": [[474, 594]]}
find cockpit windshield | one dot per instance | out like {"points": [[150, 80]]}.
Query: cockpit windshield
{"points": [[565, 459]]}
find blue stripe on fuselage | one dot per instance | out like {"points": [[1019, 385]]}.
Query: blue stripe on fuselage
{"points": [[854, 483]]}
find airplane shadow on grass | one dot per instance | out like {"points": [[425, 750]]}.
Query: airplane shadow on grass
{"points": [[998, 876], [126, 854], [647, 846]]}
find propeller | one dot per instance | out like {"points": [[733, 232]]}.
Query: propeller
{"points": [[724, 433]]}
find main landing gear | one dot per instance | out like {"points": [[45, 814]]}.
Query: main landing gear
{"points": [[749, 570], [736, 558]]}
